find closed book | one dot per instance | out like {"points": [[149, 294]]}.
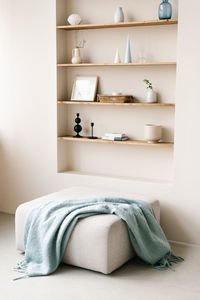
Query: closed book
{"points": [[124, 138], [115, 134], [110, 138]]}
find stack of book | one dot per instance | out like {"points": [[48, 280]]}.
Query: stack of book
{"points": [[115, 137]]}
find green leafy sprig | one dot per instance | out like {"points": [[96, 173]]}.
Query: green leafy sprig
{"points": [[148, 83]]}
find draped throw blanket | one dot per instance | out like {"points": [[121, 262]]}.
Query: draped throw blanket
{"points": [[49, 226]]}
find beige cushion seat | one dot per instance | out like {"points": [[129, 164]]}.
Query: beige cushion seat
{"points": [[99, 243]]}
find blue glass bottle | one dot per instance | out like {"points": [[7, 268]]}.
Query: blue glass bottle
{"points": [[165, 10]]}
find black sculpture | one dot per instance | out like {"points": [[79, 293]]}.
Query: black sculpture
{"points": [[92, 137], [77, 127]]}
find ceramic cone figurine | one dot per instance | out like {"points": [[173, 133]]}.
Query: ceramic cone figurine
{"points": [[128, 58], [117, 57]]}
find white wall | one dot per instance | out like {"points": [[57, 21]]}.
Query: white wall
{"points": [[28, 119]]}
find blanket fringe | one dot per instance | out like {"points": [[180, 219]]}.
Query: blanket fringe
{"points": [[21, 268], [22, 277], [166, 262]]}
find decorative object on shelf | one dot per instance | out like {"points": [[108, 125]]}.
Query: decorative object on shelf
{"points": [[165, 10], [151, 94], [77, 127], [115, 137], [115, 98], [153, 133], [81, 43], [74, 19], [128, 58], [116, 94], [142, 58], [76, 56], [117, 57], [84, 88], [92, 137], [119, 15]]}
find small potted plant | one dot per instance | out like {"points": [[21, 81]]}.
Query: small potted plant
{"points": [[151, 94]]}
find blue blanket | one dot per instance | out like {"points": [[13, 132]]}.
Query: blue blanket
{"points": [[49, 226]]}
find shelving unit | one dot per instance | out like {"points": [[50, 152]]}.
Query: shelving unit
{"points": [[118, 25], [75, 154], [128, 142]]}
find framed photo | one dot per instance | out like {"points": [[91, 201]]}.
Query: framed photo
{"points": [[84, 88]]}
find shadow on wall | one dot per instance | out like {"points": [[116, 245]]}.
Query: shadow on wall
{"points": [[174, 222], [8, 180], [3, 176], [5, 180]]}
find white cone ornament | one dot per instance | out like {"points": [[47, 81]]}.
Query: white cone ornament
{"points": [[117, 57]]}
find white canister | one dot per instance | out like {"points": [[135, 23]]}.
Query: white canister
{"points": [[151, 96], [119, 15], [153, 133]]}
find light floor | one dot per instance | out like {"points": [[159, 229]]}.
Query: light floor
{"points": [[131, 282]]}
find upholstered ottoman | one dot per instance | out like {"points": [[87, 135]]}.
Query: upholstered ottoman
{"points": [[99, 243]]}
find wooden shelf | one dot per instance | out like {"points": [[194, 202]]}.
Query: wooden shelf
{"points": [[115, 104], [128, 142], [119, 25], [169, 63]]}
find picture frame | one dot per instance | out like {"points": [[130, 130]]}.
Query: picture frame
{"points": [[84, 88]]}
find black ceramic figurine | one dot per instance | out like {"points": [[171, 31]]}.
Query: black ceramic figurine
{"points": [[92, 136], [77, 127]]}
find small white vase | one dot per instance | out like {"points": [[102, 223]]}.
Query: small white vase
{"points": [[119, 15], [74, 19], [153, 133], [117, 57], [76, 56], [151, 96]]}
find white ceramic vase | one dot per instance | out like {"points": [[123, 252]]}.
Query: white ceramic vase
{"points": [[153, 133], [151, 96], [119, 15], [74, 19], [76, 56], [128, 58]]}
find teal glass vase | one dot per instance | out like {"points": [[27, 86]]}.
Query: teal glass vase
{"points": [[165, 10]]}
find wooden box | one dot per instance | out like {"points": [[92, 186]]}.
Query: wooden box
{"points": [[115, 98]]}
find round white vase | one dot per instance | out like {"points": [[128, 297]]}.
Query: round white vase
{"points": [[74, 19], [151, 96], [76, 56], [119, 15], [153, 133]]}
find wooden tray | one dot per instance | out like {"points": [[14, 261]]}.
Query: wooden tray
{"points": [[115, 98]]}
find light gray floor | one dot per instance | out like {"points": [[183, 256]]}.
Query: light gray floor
{"points": [[131, 282]]}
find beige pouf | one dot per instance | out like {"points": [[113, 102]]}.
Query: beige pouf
{"points": [[99, 243]]}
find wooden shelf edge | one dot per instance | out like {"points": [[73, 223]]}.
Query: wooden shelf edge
{"points": [[169, 63], [118, 25], [115, 104], [128, 142]]}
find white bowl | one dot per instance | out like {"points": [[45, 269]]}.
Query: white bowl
{"points": [[74, 19]]}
